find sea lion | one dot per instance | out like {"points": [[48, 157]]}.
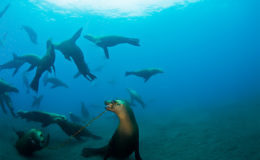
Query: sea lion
{"points": [[4, 10], [134, 96], [32, 59], [31, 141], [145, 73], [13, 64], [70, 50], [110, 41], [5, 100], [84, 111], [54, 81], [46, 64], [37, 101], [5, 87], [31, 33], [125, 140], [71, 128], [44, 118]]}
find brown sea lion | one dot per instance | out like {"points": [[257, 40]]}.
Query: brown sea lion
{"points": [[125, 140]]}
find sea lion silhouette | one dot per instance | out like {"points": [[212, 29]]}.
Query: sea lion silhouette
{"points": [[110, 41]]}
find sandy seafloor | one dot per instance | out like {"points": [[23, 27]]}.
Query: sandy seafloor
{"points": [[227, 132]]}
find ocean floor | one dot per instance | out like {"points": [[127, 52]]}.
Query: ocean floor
{"points": [[229, 132]]}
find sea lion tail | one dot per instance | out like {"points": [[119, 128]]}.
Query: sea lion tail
{"points": [[134, 41], [90, 152], [35, 83]]}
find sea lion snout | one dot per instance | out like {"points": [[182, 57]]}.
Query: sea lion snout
{"points": [[110, 105]]}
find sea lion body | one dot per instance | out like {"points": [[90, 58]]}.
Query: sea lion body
{"points": [[5, 87], [110, 41], [13, 64], [145, 73], [54, 81], [125, 140], [46, 64], [71, 128], [31, 33], [31, 141], [33, 60], [71, 51], [135, 97], [44, 118]]}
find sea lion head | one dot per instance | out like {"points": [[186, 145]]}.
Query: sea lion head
{"points": [[37, 138], [116, 106]]}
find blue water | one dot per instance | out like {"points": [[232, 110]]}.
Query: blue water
{"points": [[209, 51]]}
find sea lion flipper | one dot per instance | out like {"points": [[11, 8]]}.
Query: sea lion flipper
{"points": [[53, 68], [146, 79], [76, 35], [106, 52], [137, 153], [15, 71], [30, 68]]}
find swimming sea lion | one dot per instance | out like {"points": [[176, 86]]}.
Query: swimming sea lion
{"points": [[4, 10], [31, 33], [13, 64], [145, 73], [44, 118], [125, 140], [71, 128], [37, 101], [70, 50], [5, 87], [135, 97], [46, 64], [54, 81], [32, 59], [31, 141], [110, 41]]}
